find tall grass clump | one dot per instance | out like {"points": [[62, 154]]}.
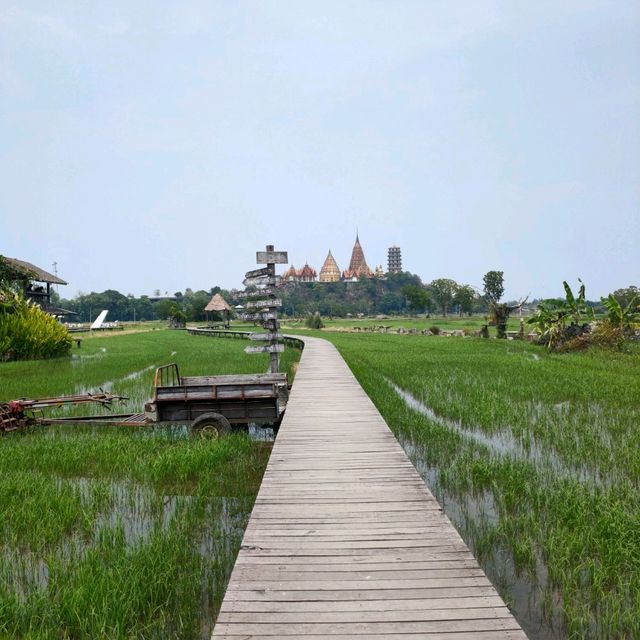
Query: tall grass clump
{"points": [[314, 321], [27, 332]]}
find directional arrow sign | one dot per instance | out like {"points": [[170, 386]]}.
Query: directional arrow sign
{"points": [[265, 336], [256, 273], [264, 304], [261, 281], [268, 291], [258, 316], [272, 257], [268, 348], [271, 324]]}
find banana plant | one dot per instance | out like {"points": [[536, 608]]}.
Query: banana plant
{"points": [[552, 316], [578, 307], [619, 316]]}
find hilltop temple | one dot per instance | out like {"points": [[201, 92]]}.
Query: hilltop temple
{"points": [[358, 267], [306, 274], [330, 271]]}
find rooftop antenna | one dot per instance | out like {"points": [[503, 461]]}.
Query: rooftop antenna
{"points": [[55, 273]]}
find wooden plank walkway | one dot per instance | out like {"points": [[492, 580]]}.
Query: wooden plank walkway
{"points": [[345, 541]]}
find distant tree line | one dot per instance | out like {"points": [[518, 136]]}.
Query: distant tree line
{"points": [[396, 294], [122, 307]]}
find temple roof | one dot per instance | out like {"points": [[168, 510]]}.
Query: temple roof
{"points": [[307, 272], [330, 266], [290, 273], [358, 265]]}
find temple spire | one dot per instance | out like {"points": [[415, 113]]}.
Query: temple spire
{"points": [[358, 266]]}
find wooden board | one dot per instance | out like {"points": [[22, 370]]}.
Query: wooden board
{"points": [[272, 303], [267, 348], [272, 257], [267, 291], [345, 541], [252, 317], [259, 273], [274, 335], [260, 281]]}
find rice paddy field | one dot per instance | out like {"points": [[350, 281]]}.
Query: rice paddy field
{"points": [[534, 457], [448, 323], [122, 532]]}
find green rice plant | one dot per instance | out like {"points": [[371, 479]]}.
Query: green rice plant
{"points": [[533, 456], [119, 532], [125, 364]]}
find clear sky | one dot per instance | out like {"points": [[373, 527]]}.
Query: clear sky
{"points": [[157, 145]]}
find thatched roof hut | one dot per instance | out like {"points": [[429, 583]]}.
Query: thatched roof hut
{"points": [[217, 303]]}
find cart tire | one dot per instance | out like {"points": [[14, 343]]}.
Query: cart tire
{"points": [[211, 426]]}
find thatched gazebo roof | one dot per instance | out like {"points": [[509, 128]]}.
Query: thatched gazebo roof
{"points": [[217, 303]]}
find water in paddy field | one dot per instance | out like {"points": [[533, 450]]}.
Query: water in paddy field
{"points": [[504, 444], [471, 514], [134, 512]]}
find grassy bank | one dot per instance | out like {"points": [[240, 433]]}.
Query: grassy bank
{"points": [[534, 457], [121, 533]]}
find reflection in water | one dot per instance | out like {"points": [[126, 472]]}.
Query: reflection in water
{"points": [[503, 443], [136, 512], [536, 607]]}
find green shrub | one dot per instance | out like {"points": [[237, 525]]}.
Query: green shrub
{"points": [[435, 330], [27, 332]]}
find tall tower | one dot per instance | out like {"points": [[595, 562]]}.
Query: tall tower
{"points": [[395, 260]]}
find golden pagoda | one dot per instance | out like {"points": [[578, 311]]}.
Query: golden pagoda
{"points": [[330, 271], [358, 266]]}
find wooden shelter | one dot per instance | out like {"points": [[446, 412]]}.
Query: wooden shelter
{"points": [[219, 305], [35, 284]]}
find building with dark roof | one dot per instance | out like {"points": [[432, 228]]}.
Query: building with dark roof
{"points": [[35, 284]]}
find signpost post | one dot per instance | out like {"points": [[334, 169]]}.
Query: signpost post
{"points": [[265, 305]]}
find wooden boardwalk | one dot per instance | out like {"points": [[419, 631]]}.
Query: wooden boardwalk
{"points": [[345, 540]]}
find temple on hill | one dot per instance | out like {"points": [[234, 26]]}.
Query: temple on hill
{"points": [[306, 274], [330, 271], [358, 267]]}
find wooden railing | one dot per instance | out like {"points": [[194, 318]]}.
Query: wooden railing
{"points": [[289, 341]]}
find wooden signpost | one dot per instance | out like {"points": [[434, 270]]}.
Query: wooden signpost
{"points": [[265, 305]]}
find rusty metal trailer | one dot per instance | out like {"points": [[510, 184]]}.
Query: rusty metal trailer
{"points": [[210, 405], [213, 404]]}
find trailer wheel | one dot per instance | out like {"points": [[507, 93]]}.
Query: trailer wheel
{"points": [[211, 426]]}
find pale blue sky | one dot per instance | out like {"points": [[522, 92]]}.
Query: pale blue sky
{"points": [[152, 144]]}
